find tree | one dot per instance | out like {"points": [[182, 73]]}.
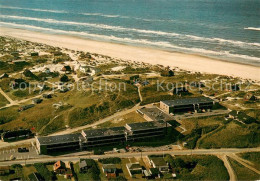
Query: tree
{"points": [[64, 78]]}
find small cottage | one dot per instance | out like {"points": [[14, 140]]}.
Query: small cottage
{"points": [[59, 167]]}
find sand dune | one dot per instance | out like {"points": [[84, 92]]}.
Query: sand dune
{"points": [[148, 55]]}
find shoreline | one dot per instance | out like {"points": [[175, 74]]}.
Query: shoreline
{"points": [[190, 62]]}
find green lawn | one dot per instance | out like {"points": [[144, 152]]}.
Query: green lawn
{"points": [[198, 167]]}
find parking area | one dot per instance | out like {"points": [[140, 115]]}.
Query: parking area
{"points": [[24, 153]]}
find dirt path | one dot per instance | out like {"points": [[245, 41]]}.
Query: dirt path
{"points": [[232, 175], [7, 97], [245, 163], [68, 131], [205, 135], [51, 121], [139, 93]]}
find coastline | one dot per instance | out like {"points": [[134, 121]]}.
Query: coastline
{"points": [[184, 61]]}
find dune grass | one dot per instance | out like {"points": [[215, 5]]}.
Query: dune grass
{"points": [[242, 172]]}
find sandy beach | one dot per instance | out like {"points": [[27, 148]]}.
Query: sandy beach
{"points": [[147, 55]]}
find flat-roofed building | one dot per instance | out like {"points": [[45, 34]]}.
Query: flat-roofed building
{"points": [[160, 163], [187, 104], [17, 135], [154, 114], [137, 131], [100, 137], [134, 168], [49, 144]]}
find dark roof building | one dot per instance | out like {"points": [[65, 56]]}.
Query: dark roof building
{"points": [[33, 54], [100, 137], [4, 170], [154, 114], [180, 90], [241, 117], [18, 83], [250, 97], [48, 144], [66, 68], [16, 135], [83, 166], [25, 107], [134, 168], [160, 163], [187, 104], [137, 131], [36, 101]]}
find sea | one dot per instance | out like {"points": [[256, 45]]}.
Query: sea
{"points": [[222, 29]]}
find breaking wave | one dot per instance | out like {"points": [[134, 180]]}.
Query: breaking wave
{"points": [[123, 29], [252, 28], [33, 9], [163, 44]]}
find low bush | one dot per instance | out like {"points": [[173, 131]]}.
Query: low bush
{"points": [[113, 160]]}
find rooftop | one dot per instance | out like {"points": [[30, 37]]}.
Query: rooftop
{"points": [[193, 100], [82, 164], [59, 139], [146, 125], [104, 132], [109, 166], [158, 161], [134, 166], [155, 114], [242, 116]]}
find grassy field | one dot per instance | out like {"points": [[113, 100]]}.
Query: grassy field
{"points": [[253, 157], [99, 104], [132, 117], [78, 108], [198, 167], [193, 123], [216, 132], [242, 172], [159, 89], [233, 135], [3, 101]]}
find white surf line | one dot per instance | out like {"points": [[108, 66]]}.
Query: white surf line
{"points": [[252, 28], [161, 44], [120, 28], [33, 9]]}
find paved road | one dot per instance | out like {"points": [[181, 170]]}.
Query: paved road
{"points": [[135, 154]]}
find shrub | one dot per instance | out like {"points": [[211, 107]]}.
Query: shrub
{"points": [[113, 160], [43, 171]]}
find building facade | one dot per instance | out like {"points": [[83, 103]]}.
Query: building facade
{"points": [[187, 104], [50, 144], [144, 130], [102, 137]]}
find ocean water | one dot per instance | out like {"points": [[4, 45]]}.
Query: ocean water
{"points": [[224, 29]]}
